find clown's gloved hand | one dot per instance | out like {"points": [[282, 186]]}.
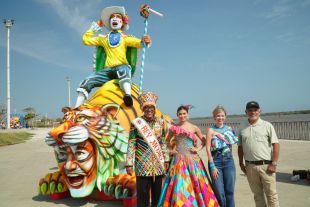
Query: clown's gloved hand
{"points": [[95, 27], [146, 41]]}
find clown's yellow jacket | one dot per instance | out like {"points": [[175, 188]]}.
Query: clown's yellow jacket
{"points": [[115, 55]]}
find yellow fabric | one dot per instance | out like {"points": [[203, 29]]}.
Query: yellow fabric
{"points": [[110, 93], [115, 55]]}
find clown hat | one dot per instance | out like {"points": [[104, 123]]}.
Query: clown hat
{"points": [[147, 99], [108, 11]]}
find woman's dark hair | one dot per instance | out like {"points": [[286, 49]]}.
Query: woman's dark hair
{"points": [[184, 107]]}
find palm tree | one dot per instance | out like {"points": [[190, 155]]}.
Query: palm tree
{"points": [[30, 114], [3, 115]]}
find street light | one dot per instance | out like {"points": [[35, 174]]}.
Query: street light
{"points": [[69, 93], [8, 24]]}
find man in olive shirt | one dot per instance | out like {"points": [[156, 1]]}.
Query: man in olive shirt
{"points": [[259, 146]]}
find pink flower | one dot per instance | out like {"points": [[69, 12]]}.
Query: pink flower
{"points": [[125, 19]]}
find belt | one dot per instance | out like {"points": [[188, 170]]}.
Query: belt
{"points": [[259, 162]]}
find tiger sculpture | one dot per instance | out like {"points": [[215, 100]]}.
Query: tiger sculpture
{"points": [[90, 144]]}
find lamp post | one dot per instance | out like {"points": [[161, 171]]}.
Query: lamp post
{"points": [[8, 24], [69, 90]]}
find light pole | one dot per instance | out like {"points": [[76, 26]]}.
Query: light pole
{"points": [[69, 90], [8, 24]]}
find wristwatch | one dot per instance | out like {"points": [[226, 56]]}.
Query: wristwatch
{"points": [[274, 163]]}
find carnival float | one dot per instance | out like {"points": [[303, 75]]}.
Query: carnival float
{"points": [[90, 144]]}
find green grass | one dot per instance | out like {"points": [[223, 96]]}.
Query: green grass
{"points": [[14, 138]]}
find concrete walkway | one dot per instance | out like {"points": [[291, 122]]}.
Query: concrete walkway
{"points": [[23, 165]]}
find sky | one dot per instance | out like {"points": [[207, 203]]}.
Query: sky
{"points": [[203, 53]]}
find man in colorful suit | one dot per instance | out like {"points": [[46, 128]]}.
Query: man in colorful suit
{"points": [[115, 46], [147, 154]]}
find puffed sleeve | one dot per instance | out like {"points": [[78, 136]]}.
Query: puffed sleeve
{"points": [[90, 40], [133, 42]]}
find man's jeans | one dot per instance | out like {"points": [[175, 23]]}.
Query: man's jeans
{"points": [[224, 185], [97, 79]]}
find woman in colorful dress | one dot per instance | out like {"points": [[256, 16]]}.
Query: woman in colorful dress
{"points": [[220, 138], [186, 183]]}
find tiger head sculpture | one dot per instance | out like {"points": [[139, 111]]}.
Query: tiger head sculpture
{"points": [[88, 145]]}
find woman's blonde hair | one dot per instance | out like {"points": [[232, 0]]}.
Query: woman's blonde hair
{"points": [[218, 109]]}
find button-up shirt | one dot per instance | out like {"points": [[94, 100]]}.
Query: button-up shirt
{"points": [[257, 139]]}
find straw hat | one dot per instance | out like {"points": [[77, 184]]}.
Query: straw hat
{"points": [[108, 11]]}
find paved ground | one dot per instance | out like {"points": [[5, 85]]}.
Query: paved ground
{"points": [[22, 165]]}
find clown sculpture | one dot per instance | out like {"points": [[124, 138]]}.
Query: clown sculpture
{"points": [[88, 146], [91, 142], [115, 46]]}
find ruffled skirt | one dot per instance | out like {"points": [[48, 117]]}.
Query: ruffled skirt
{"points": [[186, 184]]}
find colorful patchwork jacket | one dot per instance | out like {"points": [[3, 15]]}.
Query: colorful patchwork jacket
{"points": [[139, 154]]}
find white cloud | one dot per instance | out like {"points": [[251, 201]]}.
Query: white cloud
{"points": [[47, 48], [306, 3], [285, 8], [278, 11], [49, 45], [75, 14], [295, 38]]}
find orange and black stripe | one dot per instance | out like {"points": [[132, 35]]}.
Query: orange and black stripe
{"points": [[110, 93]]}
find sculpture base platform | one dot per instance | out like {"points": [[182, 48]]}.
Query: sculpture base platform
{"points": [[98, 195], [58, 196]]}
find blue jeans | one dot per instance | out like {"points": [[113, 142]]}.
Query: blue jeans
{"points": [[224, 185], [97, 79]]}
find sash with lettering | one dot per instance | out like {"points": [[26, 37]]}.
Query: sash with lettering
{"points": [[150, 138]]}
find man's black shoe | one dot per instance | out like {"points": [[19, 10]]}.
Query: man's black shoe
{"points": [[128, 100]]}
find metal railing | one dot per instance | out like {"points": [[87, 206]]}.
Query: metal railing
{"points": [[297, 130], [294, 130]]}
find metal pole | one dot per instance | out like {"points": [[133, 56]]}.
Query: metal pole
{"points": [[8, 24], [8, 82], [69, 90]]}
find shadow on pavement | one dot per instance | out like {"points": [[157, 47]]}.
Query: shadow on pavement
{"points": [[286, 178], [75, 201], [107, 203], [65, 201]]}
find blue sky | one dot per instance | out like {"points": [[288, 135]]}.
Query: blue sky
{"points": [[203, 53]]}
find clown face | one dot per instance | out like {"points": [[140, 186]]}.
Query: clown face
{"points": [[78, 165], [116, 21]]}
